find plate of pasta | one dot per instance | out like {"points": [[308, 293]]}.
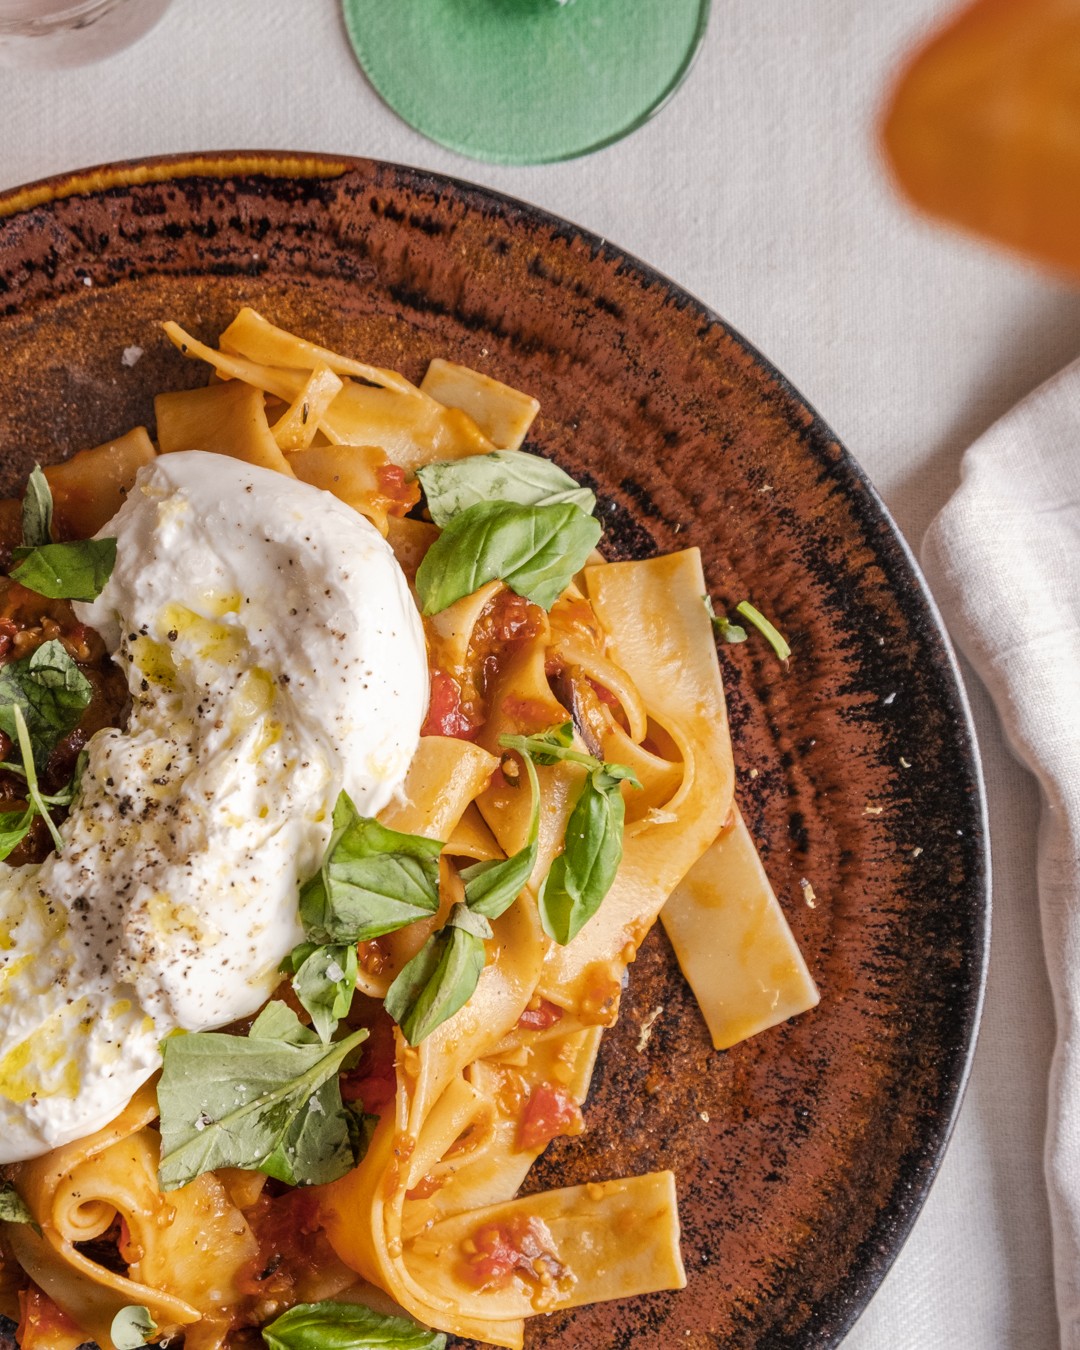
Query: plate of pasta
{"points": [[494, 848]]}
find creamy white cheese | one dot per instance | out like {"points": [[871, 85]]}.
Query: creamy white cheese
{"points": [[274, 656]]}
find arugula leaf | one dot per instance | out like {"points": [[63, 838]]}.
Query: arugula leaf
{"points": [[131, 1326], [267, 1102], [441, 977], [373, 880], [37, 802], [14, 827], [730, 632], [535, 549], [491, 887], [772, 635], [582, 874], [13, 1208], [347, 1326], [37, 510], [77, 570], [453, 485], [324, 978], [52, 693]]}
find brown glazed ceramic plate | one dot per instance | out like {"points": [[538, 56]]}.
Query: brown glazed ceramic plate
{"points": [[802, 1156]]}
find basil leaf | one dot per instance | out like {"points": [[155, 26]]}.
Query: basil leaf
{"points": [[37, 510], [581, 876], [74, 571], [535, 549], [372, 881], [13, 1208], [324, 979], [491, 887], [347, 1326], [453, 485], [14, 827], [772, 635], [441, 977], [52, 693], [263, 1102], [730, 632], [131, 1326]]}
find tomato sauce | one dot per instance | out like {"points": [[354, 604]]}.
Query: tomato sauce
{"points": [[550, 1111], [44, 1326], [495, 1251], [27, 620], [541, 1017]]}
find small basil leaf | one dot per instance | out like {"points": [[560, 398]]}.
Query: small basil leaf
{"points": [[453, 485], [441, 977], [278, 1022], [347, 1326], [324, 979], [51, 692], [14, 827], [131, 1326], [74, 571], [261, 1102], [536, 550], [581, 876], [491, 887], [373, 880], [13, 1208], [37, 510]]}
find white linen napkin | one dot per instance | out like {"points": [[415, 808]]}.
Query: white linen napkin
{"points": [[1003, 560]]}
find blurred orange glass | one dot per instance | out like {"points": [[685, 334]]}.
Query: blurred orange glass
{"points": [[983, 126]]}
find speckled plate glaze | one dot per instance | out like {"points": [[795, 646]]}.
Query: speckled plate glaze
{"points": [[802, 1156]]}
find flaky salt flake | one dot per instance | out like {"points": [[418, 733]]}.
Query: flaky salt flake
{"points": [[808, 894], [915, 852], [905, 763], [131, 356], [704, 1115], [647, 1028], [753, 773], [889, 698]]}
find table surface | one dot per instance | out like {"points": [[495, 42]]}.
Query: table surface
{"points": [[759, 190]]}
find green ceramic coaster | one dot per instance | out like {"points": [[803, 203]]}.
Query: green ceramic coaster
{"points": [[525, 81]]}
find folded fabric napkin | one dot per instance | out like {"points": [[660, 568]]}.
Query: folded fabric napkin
{"points": [[1003, 560]]}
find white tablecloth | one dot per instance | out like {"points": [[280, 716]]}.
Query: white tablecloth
{"points": [[759, 191]]}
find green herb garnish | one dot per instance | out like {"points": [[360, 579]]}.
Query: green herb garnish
{"points": [[583, 873], [131, 1326], [76, 570], [13, 1208], [268, 1102], [37, 510], [535, 550], [453, 485], [50, 691], [730, 632], [772, 635], [324, 978], [373, 880], [441, 977], [347, 1326]]}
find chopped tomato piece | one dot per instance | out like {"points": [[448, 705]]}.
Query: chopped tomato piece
{"points": [[496, 1250], [44, 1326], [425, 1188], [550, 1111], [604, 694], [541, 1017], [373, 1082], [446, 717], [401, 495]]}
